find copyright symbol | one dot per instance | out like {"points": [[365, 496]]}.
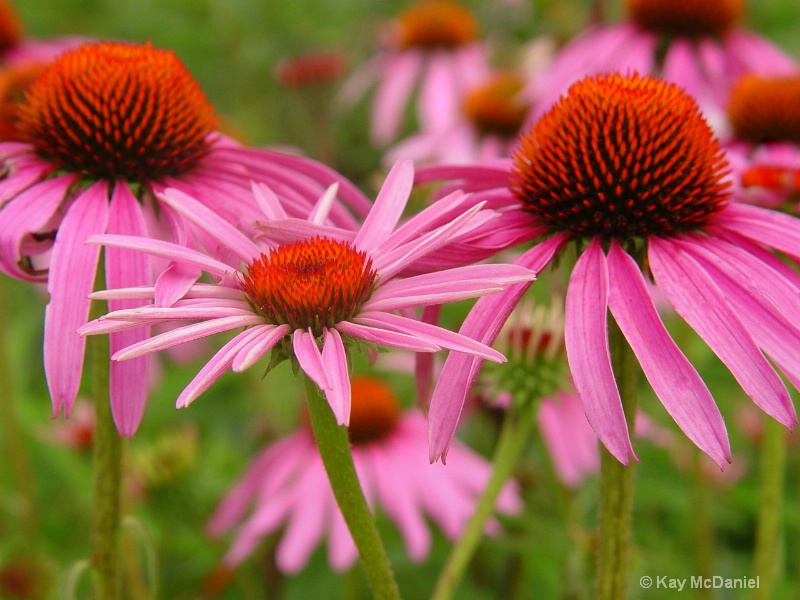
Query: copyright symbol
{"points": [[646, 581]]}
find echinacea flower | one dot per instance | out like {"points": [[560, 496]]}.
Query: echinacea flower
{"points": [[432, 48], [697, 44], [312, 296], [17, 48], [764, 140], [107, 126], [486, 126], [627, 168], [286, 487]]}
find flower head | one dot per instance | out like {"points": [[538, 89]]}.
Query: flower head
{"points": [[389, 455], [104, 129], [686, 17], [433, 47], [313, 289], [641, 199]]}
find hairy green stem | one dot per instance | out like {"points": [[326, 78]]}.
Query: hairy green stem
{"points": [[334, 447], [770, 508], [107, 469], [616, 484], [515, 432]]}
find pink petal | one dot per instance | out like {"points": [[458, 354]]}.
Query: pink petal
{"points": [[73, 267], [674, 380], [399, 73], [249, 355], [310, 358], [388, 208], [769, 228], [586, 337], [382, 337], [334, 361], [128, 381]]}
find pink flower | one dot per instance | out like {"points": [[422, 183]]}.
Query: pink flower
{"points": [[433, 47], [311, 290], [696, 44], [486, 126], [286, 486], [627, 168], [96, 157]]}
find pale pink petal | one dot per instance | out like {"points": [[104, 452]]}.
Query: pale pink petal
{"points": [[249, 355], [382, 337], [214, 368], [388, 207], [174, 282], [438, 335], [268, 201], [73, 267], [334, 361], [128, 381], [342, 551], [769, 228], [310, 358], [394, 90], [586, 338], [439, 95], [756, 53], [570, 440], [674, 380], [698, 299]]}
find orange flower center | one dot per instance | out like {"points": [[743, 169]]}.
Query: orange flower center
{"points": [[315, 283], [11, 29], [436, 23], [686, 17], [310, 69], [766, 108], [374, 410], [495, 107], [14, 83], [118, 110], [621, 157]]}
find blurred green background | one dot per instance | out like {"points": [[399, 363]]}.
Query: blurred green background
{"points": [[183, 461]]}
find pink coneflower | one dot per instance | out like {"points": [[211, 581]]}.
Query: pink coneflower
{"points": [[697, 44], [628, 169], [16, 48], [286, 486], [312, 296], [764, 141], [486, 127], [432, 47], [106, 127]]}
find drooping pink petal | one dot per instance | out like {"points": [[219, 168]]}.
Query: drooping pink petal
{"points": [[382, 337], [698, 299], [214, 368], [249, 355], [128, 381], [483, 323], [388, 207], [174, 282], [439, 94], [673, 378], [769, 228], [393, 93], [310, 358], [586, 339], [73, 267], [334, 361]]}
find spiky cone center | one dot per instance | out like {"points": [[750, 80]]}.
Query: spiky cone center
{"points": [[118, 110], [14, 83], [766, 109], [686, 18], [11, 29], [436, 24], [315, 283], [495, 106], [374, 410], [621, 158]]}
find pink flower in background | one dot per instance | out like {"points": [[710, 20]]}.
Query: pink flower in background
{"points": [[764, 141], [312, 289], [286, 487], [94, 159], [628, 169], [432, 48], [486, 127], [697, 44]]}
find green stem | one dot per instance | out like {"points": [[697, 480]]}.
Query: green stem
{"points": [[703, 532], [616, 484], [107, 470], [334, 447], [16, 447], [515, 432], [770, 507]]}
